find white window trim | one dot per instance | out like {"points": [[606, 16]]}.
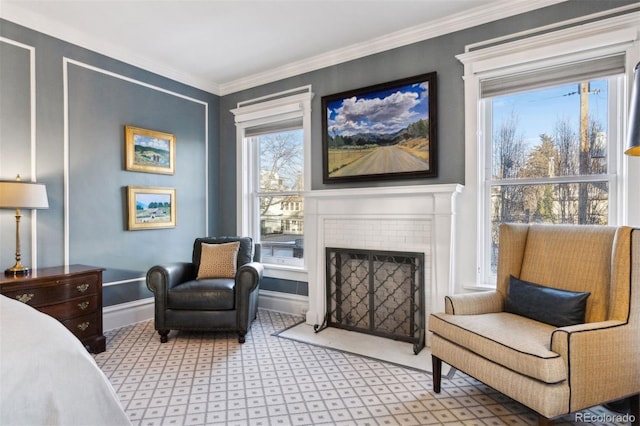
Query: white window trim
{"points": [[613, 35], [294, 103]]}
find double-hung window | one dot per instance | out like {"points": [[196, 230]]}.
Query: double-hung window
{"points": [[545, 120], [546, 146], [273, 173]]}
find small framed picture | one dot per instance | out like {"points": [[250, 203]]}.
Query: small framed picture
{"points": [[151, 207], [149, 151]]}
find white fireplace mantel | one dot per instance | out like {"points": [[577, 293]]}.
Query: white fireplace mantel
{"points": [[385, 191], [419, 218]]}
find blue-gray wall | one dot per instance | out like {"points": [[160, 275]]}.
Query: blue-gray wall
{"points": [[102, 96], [102, 100], [437, 54]]}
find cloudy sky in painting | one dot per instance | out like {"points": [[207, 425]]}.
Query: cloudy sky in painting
{"points": [[149, 142], [381, 112]]}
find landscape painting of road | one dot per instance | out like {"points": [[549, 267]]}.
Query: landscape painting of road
{"points": [[385, 131]]}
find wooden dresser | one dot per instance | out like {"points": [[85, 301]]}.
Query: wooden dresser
{"points": [[71, 294]]}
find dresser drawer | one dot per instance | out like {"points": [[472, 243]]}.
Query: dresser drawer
{"points": [[85, 326], [72, 308], [72, 294], [56, 291]]}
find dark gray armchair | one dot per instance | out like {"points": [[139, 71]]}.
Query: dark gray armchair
{"points": [[183, 302]]}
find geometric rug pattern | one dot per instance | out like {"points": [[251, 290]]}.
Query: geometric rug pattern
{"points": [[211, 379]]}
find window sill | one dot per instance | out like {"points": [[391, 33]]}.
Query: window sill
{"points": [[479, 287], [286, 272]]}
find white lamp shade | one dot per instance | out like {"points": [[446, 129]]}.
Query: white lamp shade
{"points": [[23, 195]]}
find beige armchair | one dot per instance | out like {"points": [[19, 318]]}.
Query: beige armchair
{"points": [[552, 369]]}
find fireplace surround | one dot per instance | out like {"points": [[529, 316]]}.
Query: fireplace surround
{"points": [[416, 218]]}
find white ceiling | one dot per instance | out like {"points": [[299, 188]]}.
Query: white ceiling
{"points": [[225, 46]]}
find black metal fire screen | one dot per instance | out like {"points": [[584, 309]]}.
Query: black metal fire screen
{"points": [[376, 292]]}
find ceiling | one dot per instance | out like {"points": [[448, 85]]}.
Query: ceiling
{"points": [[225, 46]]}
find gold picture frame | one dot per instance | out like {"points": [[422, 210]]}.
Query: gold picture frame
{"points": [[149, 151], [151, 207]]}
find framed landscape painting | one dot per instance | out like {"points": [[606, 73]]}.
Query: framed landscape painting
{"points": [[386, 131], [149, 151], [151, 207]]}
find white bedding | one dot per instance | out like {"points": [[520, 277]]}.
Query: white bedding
{"points": [[47, 377]]}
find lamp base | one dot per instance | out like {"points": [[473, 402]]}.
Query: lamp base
{"points": [[17, 270]]}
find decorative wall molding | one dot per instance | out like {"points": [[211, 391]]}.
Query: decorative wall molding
{"points": [[68, 61], [32, 141], [132, 280]]}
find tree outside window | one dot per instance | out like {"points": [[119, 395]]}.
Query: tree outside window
{"points": [[549, 157], [281, 182]]}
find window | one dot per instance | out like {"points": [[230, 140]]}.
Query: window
{"points": [[280, 159], [273, 173], [549, 156], [544, 123]]}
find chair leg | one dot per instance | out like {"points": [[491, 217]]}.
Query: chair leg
{"points": [[543, 421], [241, 338], [437, 373], [635, 410], [164, 335]]}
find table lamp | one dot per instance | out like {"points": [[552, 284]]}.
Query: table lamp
{"points": [[633, 136], [21, 195]]}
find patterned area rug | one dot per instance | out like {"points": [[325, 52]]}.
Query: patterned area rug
{"points": [[211, 379]]}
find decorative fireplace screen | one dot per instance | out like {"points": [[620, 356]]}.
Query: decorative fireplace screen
{"points": [[376, 292]]}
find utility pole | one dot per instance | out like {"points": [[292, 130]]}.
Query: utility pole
{"points": [[584, 167]]}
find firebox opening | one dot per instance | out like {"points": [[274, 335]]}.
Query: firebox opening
{"points": [[376, 292]]}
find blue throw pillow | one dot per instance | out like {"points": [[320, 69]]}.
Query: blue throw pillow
{"points": [[545, 304]]}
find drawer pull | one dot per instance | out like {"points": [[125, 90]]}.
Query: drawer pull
{"points": [[83, 325], [82, 287], [83, 305], [24, 298]]}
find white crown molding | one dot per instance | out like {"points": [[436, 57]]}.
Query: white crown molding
{"points": [[476, 16], [51, 27], [471, 18]]}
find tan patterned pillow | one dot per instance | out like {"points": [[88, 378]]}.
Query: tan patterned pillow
{"points": [[218, 260]]}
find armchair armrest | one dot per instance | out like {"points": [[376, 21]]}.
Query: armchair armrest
{"points": [[163, 277], [601, 359], [160, 278], [248, 277], [473, 303]]}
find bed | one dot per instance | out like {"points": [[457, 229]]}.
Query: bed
{"points": [[47, 377]]}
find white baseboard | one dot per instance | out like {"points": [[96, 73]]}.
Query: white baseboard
{"points": [[123, 314], [283, 302], [117, 316]]}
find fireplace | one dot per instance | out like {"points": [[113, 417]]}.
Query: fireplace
{"points": [[415, 219], [376, 292]]}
